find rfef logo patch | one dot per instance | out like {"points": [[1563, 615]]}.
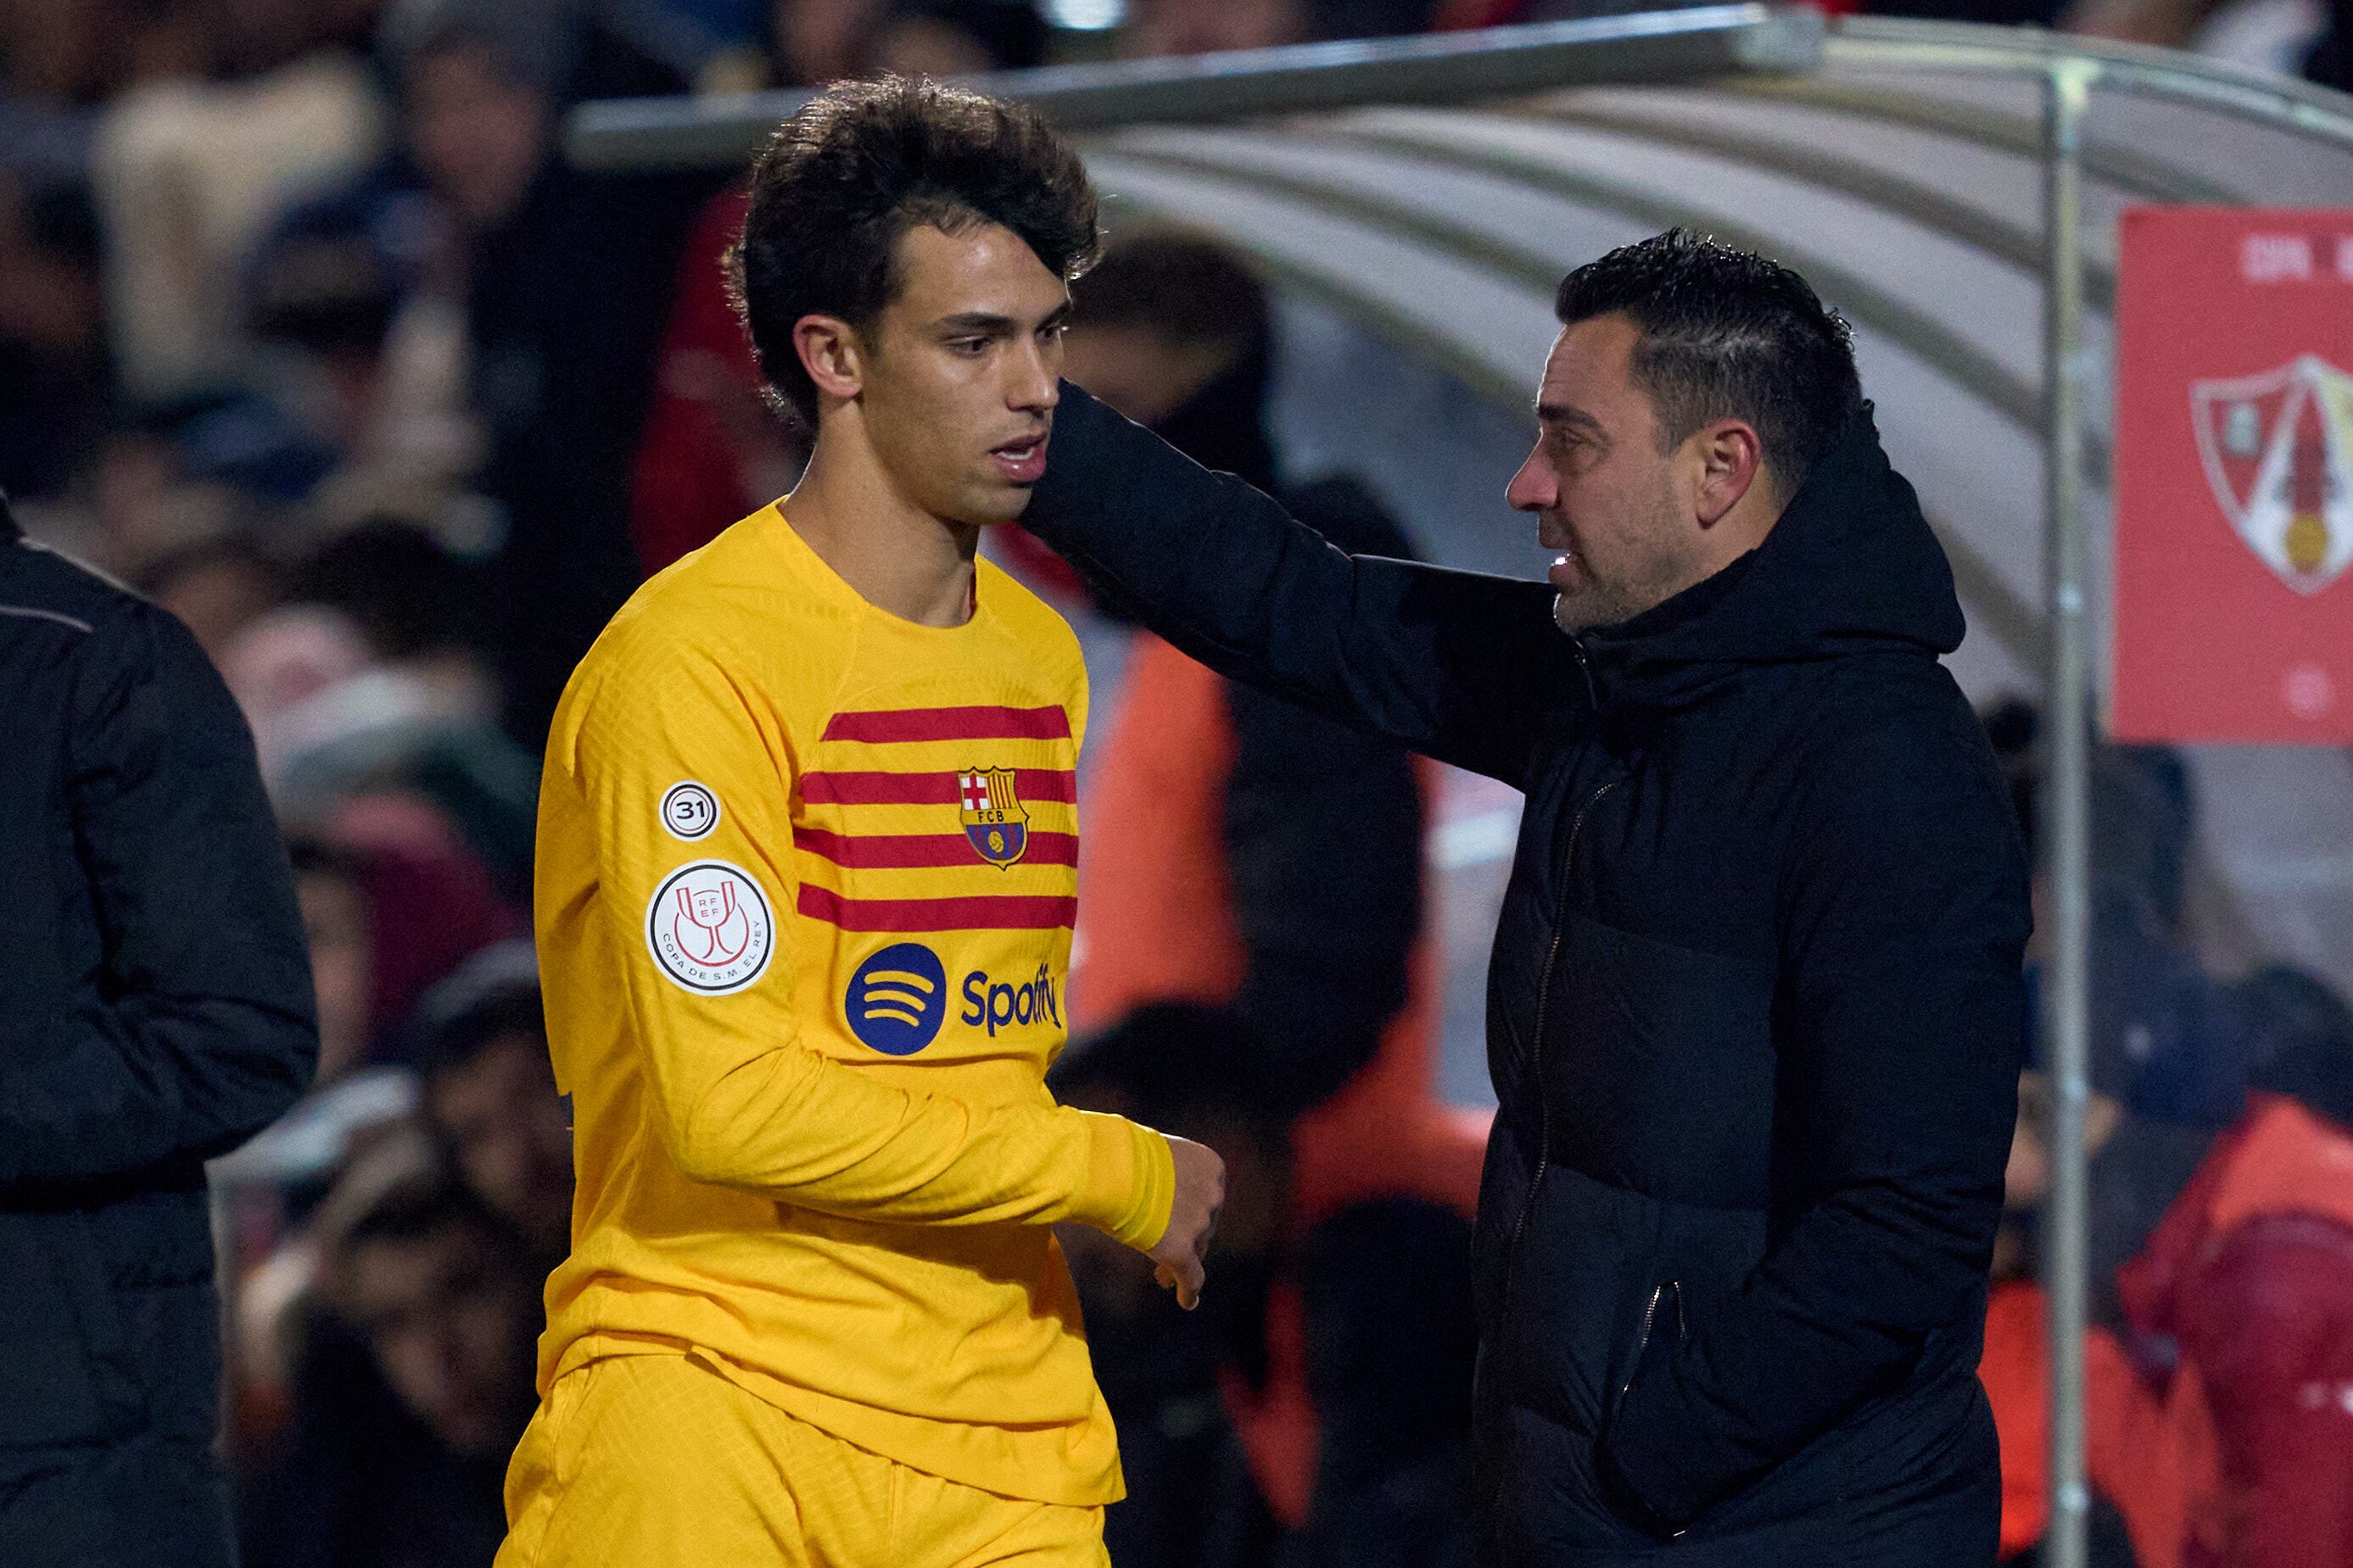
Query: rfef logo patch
{"points": [[993, 817], [709, 928], [898, 999]]}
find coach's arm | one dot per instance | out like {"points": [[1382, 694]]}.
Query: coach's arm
{"points": [[1460, 666]]}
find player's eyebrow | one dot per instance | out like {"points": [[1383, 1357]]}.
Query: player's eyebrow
{"points": [[992, 323], [981, 321]]}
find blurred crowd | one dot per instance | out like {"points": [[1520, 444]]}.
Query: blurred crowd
{"points": [[309, 332]]}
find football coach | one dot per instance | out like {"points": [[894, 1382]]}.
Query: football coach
{"points": [[155, 1010], [1754, 1011]]}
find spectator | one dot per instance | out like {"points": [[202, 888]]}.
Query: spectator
{"points": [[420, 715], [1205, 26], [191, 166], [564, 274], [957, 38], [2138, 1166], [335, 926], [153, 1014], [55, 389], [490, 1098], [2151, 1000], [413, 1384], [58, 60], [2243, 1303], [217, 586], [342, 289], [1367, 1311], [393, 902], [431, 901]]}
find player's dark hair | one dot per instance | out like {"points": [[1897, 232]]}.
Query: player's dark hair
{"points": [[856, 168], [1189, 288], [1726, 335]]}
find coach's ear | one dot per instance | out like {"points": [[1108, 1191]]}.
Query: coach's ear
{"points": [[831, 353]]}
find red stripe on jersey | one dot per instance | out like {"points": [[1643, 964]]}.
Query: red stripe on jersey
{"points": [[831, 786], [995, 912], [950, 724], [899, 851]]}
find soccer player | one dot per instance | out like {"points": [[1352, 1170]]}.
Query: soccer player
{"points": [[806, 870]]}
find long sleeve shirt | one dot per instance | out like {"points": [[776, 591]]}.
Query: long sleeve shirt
{"points": [[807, 879]]}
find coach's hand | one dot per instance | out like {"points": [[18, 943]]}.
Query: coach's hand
{"points": [[1192, 1220]]}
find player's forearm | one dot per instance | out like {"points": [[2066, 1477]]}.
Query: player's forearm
{"points": [[795, 1127]]}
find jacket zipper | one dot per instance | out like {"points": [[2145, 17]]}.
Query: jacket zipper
{"points": [[1544, 997], [1643, 1343]]}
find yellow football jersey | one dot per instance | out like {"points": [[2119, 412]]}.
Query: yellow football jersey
{"points": [[805, 890]]}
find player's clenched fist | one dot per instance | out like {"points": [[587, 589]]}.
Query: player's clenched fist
{"points": [[1192, 1220]]}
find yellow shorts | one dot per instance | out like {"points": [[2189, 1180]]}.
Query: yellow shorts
{"points": [[659, 1461]]}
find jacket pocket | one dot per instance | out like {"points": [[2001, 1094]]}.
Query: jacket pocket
{"points": [[1661, 1324], [64, 1375]]}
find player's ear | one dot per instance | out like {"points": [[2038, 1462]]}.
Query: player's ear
{"points": [[831, 353]]}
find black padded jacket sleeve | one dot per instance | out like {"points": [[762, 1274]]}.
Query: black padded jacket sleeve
{"points": [[201, 1030], [1463, 666]]}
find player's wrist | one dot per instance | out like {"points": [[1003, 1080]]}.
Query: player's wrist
{"points": [[1132, 1181]]}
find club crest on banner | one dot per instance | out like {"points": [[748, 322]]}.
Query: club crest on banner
{"points": [[993, 815], [2278, 450]]}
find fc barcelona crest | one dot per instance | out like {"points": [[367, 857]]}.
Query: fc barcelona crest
{"points": [[2278, 449], [993, 817]]}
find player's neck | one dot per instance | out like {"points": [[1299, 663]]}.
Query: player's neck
{"points": [[897, 556]]}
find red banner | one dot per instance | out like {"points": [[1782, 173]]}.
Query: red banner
{"points": [[2234, 476]]}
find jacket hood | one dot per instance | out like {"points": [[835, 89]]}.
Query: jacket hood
{"points": [[1851, 566]]}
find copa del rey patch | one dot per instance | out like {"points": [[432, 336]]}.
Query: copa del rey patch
{"points": [[710, 928]]}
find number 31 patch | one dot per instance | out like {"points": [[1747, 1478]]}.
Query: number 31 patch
{"points": [[689, 810]]}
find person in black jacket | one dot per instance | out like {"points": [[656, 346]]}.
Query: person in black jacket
{"points": [[1756, 1008], [155, 1011]]}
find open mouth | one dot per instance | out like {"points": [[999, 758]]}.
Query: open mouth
{"points": [[1022, 462]]}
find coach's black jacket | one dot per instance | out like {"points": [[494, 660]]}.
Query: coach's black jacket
{"points": [[1755, 1012], [154, 1010]]}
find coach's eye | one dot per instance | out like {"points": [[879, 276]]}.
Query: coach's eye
{"points": [[971, 348]]}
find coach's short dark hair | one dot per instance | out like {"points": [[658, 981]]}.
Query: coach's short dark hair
{"points": [[860, 165], [1726, 335]]}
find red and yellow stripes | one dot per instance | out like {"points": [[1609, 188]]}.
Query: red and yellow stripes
{"points": [[880, 832], [994, 912], [889, 725], [838, 786], [913, 851]]}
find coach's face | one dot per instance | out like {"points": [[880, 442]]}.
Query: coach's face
{"points": [[962, 372], [1607, 493]]}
